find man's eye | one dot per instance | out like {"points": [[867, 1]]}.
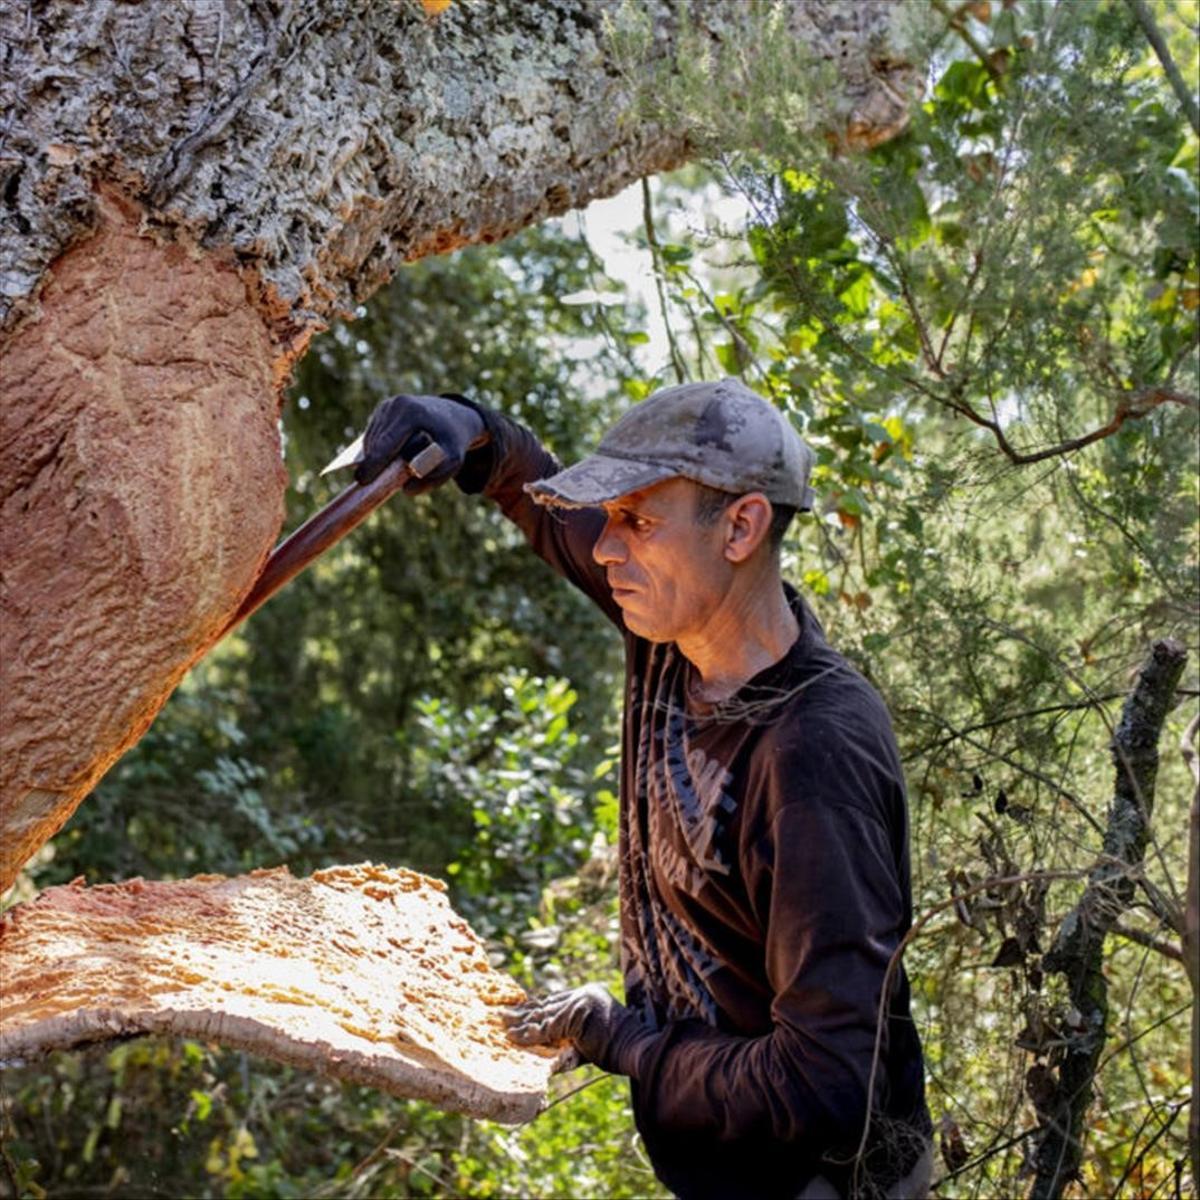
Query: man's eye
{"points": [[636, 523]]}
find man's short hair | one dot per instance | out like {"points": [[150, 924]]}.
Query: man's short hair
{"points": [[712, 502]]}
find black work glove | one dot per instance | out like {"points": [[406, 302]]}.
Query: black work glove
{"points": [[403, 426], [600, 1029]]}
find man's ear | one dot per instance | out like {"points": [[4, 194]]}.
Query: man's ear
{"points": [[747, 523]]}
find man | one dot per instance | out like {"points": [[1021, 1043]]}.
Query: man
{"points": [[764, 874]]}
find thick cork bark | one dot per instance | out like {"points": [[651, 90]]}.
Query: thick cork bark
{"points": [[189, 191], [362, 973]]}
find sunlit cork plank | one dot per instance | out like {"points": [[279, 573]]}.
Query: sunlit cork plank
{"points": [[364, 973]]}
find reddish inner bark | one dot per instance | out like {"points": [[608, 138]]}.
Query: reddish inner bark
{"points": [[141, 488]]}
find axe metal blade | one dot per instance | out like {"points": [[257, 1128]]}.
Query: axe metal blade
{"points": [[349, 457]]}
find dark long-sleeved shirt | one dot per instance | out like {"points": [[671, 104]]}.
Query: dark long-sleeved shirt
{"points": [[764, 888]]}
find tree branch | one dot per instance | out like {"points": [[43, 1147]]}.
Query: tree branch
{"points": [[1145, 18], [1022, 769], [1078, 948], [681, 373], [1006, 718], [1130, 934], [956, 22], [984, 885], [1131, 406], [1188, 749]]}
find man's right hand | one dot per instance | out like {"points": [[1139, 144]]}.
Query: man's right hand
{"points": [[402, 426]]}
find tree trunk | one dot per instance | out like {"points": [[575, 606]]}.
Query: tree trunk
{"points": [[190, 190], [1078, 950]]}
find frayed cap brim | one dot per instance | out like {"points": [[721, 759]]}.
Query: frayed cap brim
{"points": [[596, 480]]}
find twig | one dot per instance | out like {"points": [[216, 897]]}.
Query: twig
{"points": [[1145, 18], [1091, 702], [1188, 749], [579, 1087], [1164, 907], [956, 22], [1170, 909], [1030, 772], [739, 340], [1176, 1109], [10, 1169], [1131, 406], [979, 1160], [894, 965], [368, 1160], [413, 1165], [1141, 1033], [1167, 949], [681, 374], [1191, 934], [958, 307]]}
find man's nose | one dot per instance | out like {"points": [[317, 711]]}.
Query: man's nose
{"points": [[609, 548]]}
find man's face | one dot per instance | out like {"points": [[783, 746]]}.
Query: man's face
{"points": [[668, 573]]}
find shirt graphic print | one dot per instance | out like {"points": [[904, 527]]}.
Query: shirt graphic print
{"points": [[676, 844]]}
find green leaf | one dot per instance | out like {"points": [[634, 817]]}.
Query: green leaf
{"points": [[856, 299], [728, 357], [965, 84], [203, 1102], [817, 582]]}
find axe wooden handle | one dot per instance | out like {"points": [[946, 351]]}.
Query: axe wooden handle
{"points": [[346, 510]]}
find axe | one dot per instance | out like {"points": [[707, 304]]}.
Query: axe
{"points": [[349, 508]]}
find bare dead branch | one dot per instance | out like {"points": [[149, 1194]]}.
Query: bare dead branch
{"points": [[1126, 1043], [893, 966], [1077, 952], [1134, 1163], [980, 1159], [1167, 911], [1131, 934], [1023, 769]]}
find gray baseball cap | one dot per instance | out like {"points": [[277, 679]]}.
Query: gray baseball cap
{"points": [[720, 434]]}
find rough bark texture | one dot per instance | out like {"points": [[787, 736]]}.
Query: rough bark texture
{"points": [[189, 190], [1078, 948], [363, 973]]}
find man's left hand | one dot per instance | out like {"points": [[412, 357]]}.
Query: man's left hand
{"points": [[600, 1029]]}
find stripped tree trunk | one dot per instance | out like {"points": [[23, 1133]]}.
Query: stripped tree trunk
{"points": [[189, 191], [1078, 948]]}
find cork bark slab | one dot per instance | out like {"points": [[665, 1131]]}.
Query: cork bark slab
{"points": [[364, 973]]}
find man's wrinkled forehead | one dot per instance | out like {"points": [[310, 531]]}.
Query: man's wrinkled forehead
{"points": [[665, 495]]}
